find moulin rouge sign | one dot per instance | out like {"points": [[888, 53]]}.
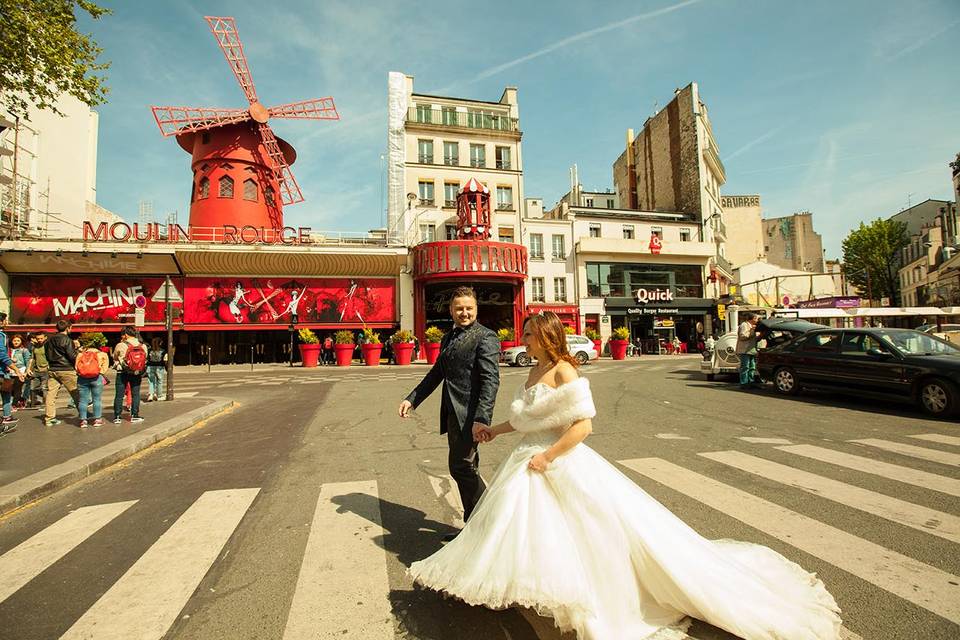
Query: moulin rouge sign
{"points": [[172, 233]]}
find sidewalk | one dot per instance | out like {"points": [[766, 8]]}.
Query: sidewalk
{"points": [[36, 461]]}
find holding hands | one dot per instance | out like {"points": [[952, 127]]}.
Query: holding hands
{"points": [[482, 432]]}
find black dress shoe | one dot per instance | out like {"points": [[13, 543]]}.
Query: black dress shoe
{"points": [[448, 537]]}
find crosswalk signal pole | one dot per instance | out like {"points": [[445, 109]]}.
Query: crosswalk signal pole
{"points": [[169, 321]]}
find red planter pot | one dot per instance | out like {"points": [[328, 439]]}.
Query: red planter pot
{"points": [[344, 354], [403, 351], [310, 354], [506, 344], [618, 349], [597, 344], [371, 354], [432, 350]]}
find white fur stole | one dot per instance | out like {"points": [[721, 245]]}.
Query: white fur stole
{"points": [[542, 407]]}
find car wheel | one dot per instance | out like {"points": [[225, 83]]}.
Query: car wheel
{"points": [[938, 397], [785, 380], [711, 377], [523, 360], [581, 357]]}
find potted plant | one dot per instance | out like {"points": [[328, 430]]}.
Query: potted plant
{"points": [[432, 337], [506, 337], [618, 343], [402, 342], [594, 336], [95, 339], [343, 347], [309, 348], [567, 329], [371, 347]]}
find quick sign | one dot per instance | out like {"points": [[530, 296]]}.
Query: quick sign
{"points": [[653, 295]]}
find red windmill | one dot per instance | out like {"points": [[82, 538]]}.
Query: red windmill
{"points": [[239, 165]]}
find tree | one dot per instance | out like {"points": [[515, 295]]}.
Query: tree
{"points": [[871, 257], [43, 56]]}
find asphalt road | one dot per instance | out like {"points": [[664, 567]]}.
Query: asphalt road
{"points": [[296, 514]]}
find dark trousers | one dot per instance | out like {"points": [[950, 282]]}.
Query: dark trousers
{"points": [[464, 461], [123, 379]]}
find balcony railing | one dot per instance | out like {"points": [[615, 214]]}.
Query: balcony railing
{"points": [[464, 119]]}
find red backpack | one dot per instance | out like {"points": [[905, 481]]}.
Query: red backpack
{"points": [[135, 360], [88, 364]]}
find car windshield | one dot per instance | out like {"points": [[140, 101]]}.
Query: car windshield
{"points": [[915, 343]]}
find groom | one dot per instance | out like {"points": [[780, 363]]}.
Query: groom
{"points": [[469, 368]]}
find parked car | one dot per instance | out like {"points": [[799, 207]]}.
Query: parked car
{"points": [[580, 348], [723, 357], [884, 363], [932, 328]]}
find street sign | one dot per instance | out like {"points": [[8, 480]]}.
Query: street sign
{"points": [[722, 311], [139, 317], [165, 295], [140, 302]]}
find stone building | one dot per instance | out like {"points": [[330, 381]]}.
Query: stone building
{"points": [[791, 243], [925, 214], [743, 218]]}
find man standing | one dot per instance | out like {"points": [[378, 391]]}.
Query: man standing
{"points": [[61, 356], [747, 350], [130, 359], [468, 366]]}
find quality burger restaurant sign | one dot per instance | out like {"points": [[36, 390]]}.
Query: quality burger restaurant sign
{"points": [[659, 301]]}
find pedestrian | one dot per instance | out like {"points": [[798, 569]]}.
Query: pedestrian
{"points": [[38, 371], [130, 361], [61, 358], [747, 350], [676, 345], [156, 370], [10, 373], [710, 343], [328, 350], [92, 365], [20, 354]]}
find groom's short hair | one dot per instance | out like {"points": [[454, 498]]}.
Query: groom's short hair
{"points": [[463, 292]]}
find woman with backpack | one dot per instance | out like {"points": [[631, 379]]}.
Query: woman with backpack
{"points": [[156, 370], [8, 373], [130, 360], [92, 365]]}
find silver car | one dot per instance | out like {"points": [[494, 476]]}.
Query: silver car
{"points": [[580, 348]]}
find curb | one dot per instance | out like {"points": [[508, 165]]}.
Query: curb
{"points": [[47, 482]]}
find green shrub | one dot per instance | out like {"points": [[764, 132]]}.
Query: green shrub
{"points": [[308, 337], [93, 339], [343, 337], [593, 334], [505, 335], [402, 336], [621, 333], [370, 337], [567, 329], [433, 334]]}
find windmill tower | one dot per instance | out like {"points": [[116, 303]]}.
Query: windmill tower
{"points": [[241, 170]]}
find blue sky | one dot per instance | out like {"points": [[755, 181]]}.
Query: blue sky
{"points": [[843, 108]]}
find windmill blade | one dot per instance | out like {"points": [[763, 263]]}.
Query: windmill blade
{"points": [[224, 29], [289, 189], [317, 109], [176, 120]]}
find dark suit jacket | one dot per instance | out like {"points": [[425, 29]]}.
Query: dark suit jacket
{"points": [[469, 368]]}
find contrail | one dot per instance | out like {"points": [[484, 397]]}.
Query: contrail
{"points": [[753, 143]]}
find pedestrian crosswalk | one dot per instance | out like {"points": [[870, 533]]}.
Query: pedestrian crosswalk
{"points": [[344, 585]]}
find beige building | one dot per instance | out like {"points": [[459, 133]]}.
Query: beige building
{"points": [[436, 144], [743, 217], [926, 214], [920, 260], [791, 242], [673, 165]]}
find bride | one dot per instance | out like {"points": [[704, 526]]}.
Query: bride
{"points": [[562, 531]]}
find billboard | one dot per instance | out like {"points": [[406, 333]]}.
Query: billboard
{"points": [[237, 301], [83, 300]]}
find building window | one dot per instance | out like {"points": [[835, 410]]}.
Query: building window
{"points": [[428, 232], [450, 231], [426, 192], [504, 198], [589, 202], [685, 235], [536, 246], [560, 289], [449, 115], [478, 156], [204, 187], [425, 151], [536, 289], [657, 231], [424, 113], [450, 190], [594, 230], [226, 187], [628, 233], [451, 154], [559, 251], [503, 157], [609, 203], [505, 234], [250, 190]]}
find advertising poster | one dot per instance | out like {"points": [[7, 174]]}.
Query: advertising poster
{"points": [[242, 301], [84, 300]]}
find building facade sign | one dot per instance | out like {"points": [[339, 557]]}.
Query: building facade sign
{"points": [[44, 300], [739, 201], [653, 295], [174, 233], [829, 303]]}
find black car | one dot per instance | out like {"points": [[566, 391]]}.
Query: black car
{"points": [[884, 363]]}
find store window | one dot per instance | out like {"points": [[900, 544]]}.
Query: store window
{"points": [[620, 280]]}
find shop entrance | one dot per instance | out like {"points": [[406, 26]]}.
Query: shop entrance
{"points": [[495, 304]]}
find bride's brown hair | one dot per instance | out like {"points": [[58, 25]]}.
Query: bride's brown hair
{"points": [[551, 335]]}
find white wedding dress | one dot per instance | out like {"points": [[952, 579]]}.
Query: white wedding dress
{"points": [[583, 544]]}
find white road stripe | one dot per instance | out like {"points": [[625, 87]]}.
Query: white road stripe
{"points": [[764, 440], [671, 436], [916, 582], [918, 478], [27, 560], [937, 437], [343, 588], [186, 394], [445, 488], [918, 517], [933, 455], [150, 595]]}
